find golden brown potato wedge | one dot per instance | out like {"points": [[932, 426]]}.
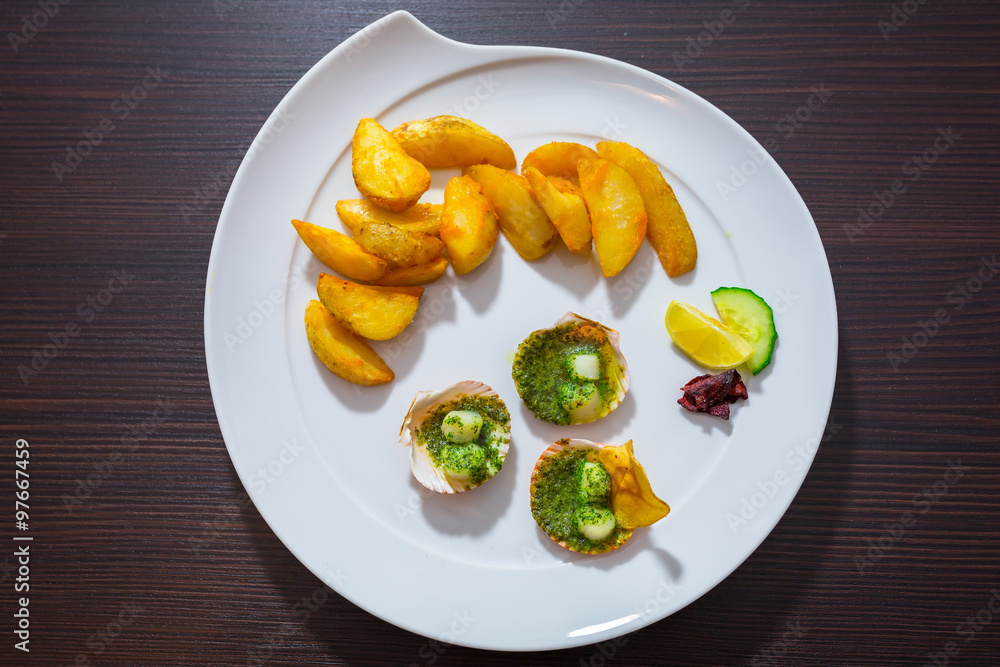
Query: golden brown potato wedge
{"points": [[382, 170], [342, 351], [667, 229], [397, 246], [617, 214], [341, 253], [418, 218], [378, 313], [563, 203], [421, 274], [469, 226], [522, 219], [558, 158], [450, 141]]}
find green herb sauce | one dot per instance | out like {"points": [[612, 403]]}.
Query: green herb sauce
{"points": [[556, 500], [495, 419], [540, 368]]}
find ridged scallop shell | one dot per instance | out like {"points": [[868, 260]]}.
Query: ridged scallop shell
{"points": [[624, 377], [552, 450], [421, 465]]}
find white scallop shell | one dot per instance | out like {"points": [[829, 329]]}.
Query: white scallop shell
{"points": [[552, 450], [623, 377], [421, 465]]}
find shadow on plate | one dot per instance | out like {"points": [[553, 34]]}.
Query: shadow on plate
{"points": [[577, 274], [353, 396], [480, 286], [471, 512]]}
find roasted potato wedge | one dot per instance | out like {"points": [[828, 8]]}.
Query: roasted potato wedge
{"points": [[341, 253], [563, 203], [421, 274], [378, 313], [450, 141], [424, 218], [382, 170], [558, 158], [397, 246], [667, 227], [617, 213], [345, 353], [469, 226], [522, 220]]}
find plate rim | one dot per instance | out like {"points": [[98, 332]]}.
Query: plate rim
{"points": [[503, 53]]}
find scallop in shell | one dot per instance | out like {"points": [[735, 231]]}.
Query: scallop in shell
{"points": [[571, 373], [458, 436], [570, 498]]}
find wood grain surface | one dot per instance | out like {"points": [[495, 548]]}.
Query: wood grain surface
{"points": [[143, 555]]}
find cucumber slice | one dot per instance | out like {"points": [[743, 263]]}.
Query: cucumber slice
{"points": [[748, 315]]}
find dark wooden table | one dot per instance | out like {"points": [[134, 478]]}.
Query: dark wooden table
{"points": [[143, 555]]}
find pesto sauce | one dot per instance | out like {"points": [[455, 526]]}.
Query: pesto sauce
{"points": [[556, 499], [495, 418], [540, 368]]}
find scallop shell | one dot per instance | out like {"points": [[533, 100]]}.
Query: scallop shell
{"points": [[552, 450], [421, 465], [623, 376]]}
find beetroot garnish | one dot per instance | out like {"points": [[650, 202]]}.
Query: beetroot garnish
{"points": [[713, 393]]}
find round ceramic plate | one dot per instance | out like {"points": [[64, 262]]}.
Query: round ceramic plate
{"points": [[320, 457]]}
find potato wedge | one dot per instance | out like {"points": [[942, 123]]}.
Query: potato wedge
{"points": [[345, 353], [558, 158], [617, 214], [469, 226], [563, 203], [382, 170], [421, 274], [450, 141], [424, 218], [377, 313], [397, 246], [667, 227], [522, 219], [341, 253]]}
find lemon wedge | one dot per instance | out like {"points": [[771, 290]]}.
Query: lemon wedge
{"points": [[705, 339]]}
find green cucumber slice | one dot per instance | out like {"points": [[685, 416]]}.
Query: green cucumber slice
{"points": [[748, 315]]}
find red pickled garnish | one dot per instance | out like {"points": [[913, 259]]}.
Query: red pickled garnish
{"points": [[713, 393]]}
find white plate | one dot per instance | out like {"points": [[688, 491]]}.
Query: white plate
{"points": [[320, 457]]}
